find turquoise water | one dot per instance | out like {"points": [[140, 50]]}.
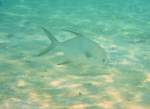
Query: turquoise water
{"points": [[101, 59]]}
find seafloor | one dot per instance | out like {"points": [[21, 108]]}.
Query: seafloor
{"points": [[120, 27]]}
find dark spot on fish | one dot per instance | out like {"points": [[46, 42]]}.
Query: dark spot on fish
{"points": [[88, 54], [103, 60]]}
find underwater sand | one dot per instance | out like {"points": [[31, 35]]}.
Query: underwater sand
{"points": [[121, 28]]}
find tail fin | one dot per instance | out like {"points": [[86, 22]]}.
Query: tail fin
{"points": [[45, 51], [53, 44], [50, 36]]}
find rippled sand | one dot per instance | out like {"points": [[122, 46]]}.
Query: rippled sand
{"points": [[31, 82]]}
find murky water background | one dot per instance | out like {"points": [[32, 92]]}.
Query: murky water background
{"points": [[121, 28]]}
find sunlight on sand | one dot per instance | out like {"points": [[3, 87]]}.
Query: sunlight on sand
{"points": [[124, 62], [20, 65], [45, 101], [72, 85], [33, 96], [108, 78], [45, 104], [115, 94], [74, 92], [96, 83], [147, 78], [56, 83], [132, 53], [106, 104], [78, 106], [134, 106], [138, 97], [21, 83], [62, 79], [11, 61]]}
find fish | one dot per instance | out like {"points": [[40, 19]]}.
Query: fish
{"points": [[79, 49]]}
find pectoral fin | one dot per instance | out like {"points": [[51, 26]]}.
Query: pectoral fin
{"points": [[64, 62]]}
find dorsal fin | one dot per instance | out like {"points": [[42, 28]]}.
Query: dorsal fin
{"points": [[73, 32]]}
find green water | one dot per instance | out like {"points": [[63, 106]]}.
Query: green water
{"points": [[120, 28]]}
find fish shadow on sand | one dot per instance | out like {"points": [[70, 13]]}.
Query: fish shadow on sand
{"points": [[79, 49]]}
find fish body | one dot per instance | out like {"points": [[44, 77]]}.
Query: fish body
{"points": [[79, 50]]}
